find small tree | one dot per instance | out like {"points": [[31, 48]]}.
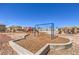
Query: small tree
{"points": [[2, 28]]}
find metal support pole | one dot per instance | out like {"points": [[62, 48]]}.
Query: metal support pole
{"points": [[52, 30]]}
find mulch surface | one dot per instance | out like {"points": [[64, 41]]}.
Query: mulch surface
{"points": [[37, 42]]}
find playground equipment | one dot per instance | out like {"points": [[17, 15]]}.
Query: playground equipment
{"points": [[46, 27], [41, 28]]}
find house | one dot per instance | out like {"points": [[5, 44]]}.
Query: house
{"points": [[14, 29], [68, 30]]}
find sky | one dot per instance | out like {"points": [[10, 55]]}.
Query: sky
{"points": [[29, 14]]}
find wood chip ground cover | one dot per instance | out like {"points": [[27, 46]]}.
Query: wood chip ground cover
{"points": [[38, 42]]}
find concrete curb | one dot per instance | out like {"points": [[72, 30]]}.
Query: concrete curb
{"points": [[20, 50], [61, 46], [43, 51]]}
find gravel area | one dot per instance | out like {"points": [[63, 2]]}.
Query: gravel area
{"points": [[5, 49], [15, 35]]}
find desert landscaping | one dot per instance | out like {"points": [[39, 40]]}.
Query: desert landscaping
{"points": [[5, 48], [39, 42]]}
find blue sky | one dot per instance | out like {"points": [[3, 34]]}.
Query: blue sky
{"points": [[31, 14]]}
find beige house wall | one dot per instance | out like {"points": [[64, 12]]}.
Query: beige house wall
{"points": [[69, 30]]}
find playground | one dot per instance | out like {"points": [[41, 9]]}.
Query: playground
{"points": [[39, 40], [38, 37]]}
